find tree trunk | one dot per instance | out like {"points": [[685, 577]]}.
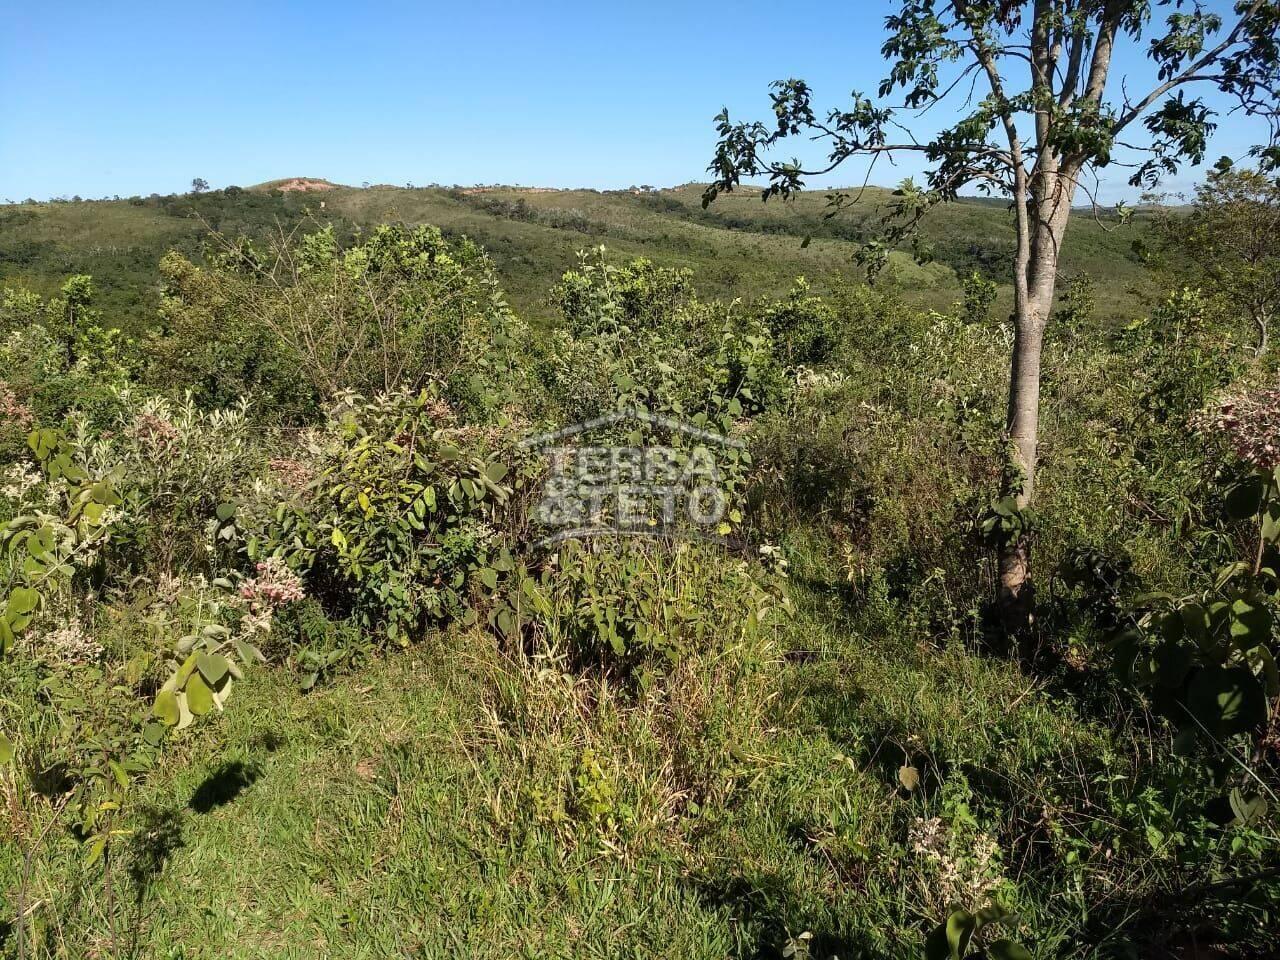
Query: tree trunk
{"points": [[1017, 594], [1036, 275]]}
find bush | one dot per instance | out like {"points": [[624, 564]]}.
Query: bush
{"points": [[636, 336], [398, 309], [175, 467], [57, 359], [642, 602], [400, 527], [208, 346]]}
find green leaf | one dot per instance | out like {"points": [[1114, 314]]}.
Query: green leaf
{"points": [[1271, 522], [96, 848], [117, 771], [1250, 621], [1226, 700], [489, 577], [6, 750], [936, 946], [1008, 950], [225, 512], [1247, 810], [950, 940], [1245, 499], [166, 708], [199, 696], [992, 913], [23, 600], [495, 472], [213, 667], [960, 927], [248, 652]]}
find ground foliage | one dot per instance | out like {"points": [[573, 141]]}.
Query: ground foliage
{"points": [[288, 670]]}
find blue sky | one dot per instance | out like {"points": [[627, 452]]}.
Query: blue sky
{"points": [[123, 98]]}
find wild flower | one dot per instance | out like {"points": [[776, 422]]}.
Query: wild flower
{"points": [[274, 586], [71, 645], [154, 431], [256, 622], [19, 479], [963, 874], [168, 588], [294, 474], [773, 558], [14, 412], [1250, 422], [808, 378]]}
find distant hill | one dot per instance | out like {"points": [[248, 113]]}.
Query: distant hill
{"points": [[296, 184], [739, 247]]}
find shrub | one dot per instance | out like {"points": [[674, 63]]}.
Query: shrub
{"points": [[58, 360], [804, 327], [400, 527], [641, 602], [175, 468], [636, 336], [398, 309], [210, 347]]}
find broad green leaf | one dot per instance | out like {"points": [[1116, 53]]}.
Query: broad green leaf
{"points": [[1247, 810], [1250, 620], [23, 600], [166, 708], [199, 696], [1226, 700], [1271, 522], [960, 927], [1008, 950], [213, 667], [1244, 500]]}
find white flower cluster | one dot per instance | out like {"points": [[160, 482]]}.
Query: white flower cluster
{"points": [[809, 379], [772, 557], [71, 645], [966, 878], [19, 479]]}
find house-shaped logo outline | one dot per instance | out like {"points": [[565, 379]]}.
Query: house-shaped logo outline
{"points": [[632, 414]]}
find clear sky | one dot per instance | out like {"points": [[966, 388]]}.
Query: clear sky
{"points": [[99, 99]]}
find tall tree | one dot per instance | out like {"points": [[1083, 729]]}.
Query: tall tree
{"points": [[1051, 115], [1231, 243]]}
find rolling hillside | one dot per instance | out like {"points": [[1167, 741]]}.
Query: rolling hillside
{"points": [[739, 247]]}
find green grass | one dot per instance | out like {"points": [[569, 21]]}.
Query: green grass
{"points": [[430, 805]]}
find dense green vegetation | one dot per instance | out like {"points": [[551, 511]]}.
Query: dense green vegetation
{"points": [[738, 248], [288, 672]]}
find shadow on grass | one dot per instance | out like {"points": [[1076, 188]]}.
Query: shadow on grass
{"points": [[765, 907], [158, 837], [224, 785]]}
